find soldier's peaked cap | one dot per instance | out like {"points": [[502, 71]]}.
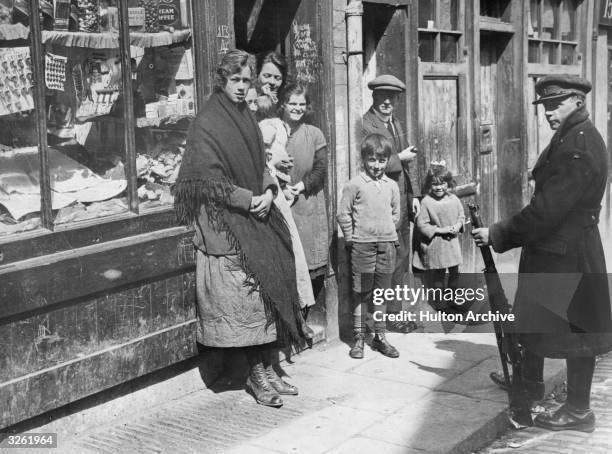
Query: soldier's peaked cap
{"points": [[387, 82], [560, 86]]}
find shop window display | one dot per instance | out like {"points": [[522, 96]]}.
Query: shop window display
{"points": [[19, 158], [84, 81]]}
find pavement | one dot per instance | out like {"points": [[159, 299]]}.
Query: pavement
{"points": [[536, 441], [435, 398]]}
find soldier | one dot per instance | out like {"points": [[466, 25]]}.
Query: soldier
{"points": [[558, 233], [379, 119]]}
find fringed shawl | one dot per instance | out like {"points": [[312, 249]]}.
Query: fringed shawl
{"points": [[225, 151]]}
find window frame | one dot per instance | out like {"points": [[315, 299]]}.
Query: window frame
{"points": [[438, 32], [51, 237], [555, 41]]}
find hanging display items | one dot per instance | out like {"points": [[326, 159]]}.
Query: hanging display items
{"points": [[96, 83], [55, 71], [15, 80], [88, 12], [151, 8]]}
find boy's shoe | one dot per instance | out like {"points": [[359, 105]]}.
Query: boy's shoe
{"points": [[357, 350], [565, 418], [381, 344], [401, 327]]}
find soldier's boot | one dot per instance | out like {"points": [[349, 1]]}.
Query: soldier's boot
{"points": [[575, 414], [567, 418], [535, 389]]}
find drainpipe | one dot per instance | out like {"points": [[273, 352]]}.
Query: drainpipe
{"points": [[354, 61]]}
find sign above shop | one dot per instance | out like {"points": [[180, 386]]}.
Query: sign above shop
{"points": [[605, 13]]}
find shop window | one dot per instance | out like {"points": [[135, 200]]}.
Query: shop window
{"points": [[164, 101], [552, 32], [95, 170], [439, 30], [19, 153]]}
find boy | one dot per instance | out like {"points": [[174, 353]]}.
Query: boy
{"points": [[368, 215]]}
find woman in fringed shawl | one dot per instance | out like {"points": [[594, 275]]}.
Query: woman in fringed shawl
{"points": [[246, 289]]}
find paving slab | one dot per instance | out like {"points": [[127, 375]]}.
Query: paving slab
{"points": [[421, 369], [475, 382], [355, 391], [439, 423], [318, 432], [363, 445]]}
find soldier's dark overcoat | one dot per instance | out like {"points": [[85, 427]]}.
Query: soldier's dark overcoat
{"points": [[566, 314]]}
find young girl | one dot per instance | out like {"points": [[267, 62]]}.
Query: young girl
{"points": [[437, 226], [275, 136]]}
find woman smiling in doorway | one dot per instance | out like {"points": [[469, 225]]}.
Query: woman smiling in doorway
{"points": [[308, 148]]}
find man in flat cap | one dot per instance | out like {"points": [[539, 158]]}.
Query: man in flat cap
{"points": [[386, 90], [562, 303]]}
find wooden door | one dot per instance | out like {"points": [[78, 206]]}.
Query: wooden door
{"points": [[441, 137], [439, 116], [488, 132]]}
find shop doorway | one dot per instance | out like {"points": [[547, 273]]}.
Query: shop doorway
{"points": [[301, 31], [384, 50]]}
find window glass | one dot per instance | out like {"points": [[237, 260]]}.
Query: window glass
{"points": [[548, 53], [164, 94], [427, 46], [20, 200], [548, 20], [84, 107], [534, 52], [534, 18], [427, 14], [448, 14], [567, 22], [567, 54], [448, 48]]}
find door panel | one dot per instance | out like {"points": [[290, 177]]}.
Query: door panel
{"points": [[488, 126], [439, 115]]}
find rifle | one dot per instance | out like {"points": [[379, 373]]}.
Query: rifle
{"points": [[507, 340]]}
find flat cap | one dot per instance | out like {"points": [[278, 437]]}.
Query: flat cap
{"points": [[560, 86], [387, 82]]}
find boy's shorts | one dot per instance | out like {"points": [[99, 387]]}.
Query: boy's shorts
{"points": [[372, 265]]}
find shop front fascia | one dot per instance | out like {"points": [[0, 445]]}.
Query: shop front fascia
{"points": [[97, 280]]}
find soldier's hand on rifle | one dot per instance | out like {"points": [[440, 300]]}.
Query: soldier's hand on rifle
{"points": [[481, 236]]}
